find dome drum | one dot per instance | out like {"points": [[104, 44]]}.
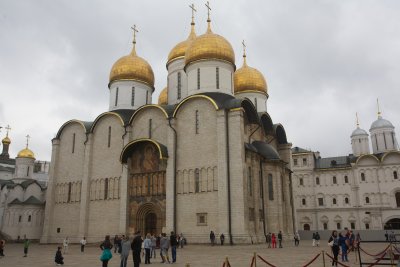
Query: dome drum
{"points": [[129, 95]]}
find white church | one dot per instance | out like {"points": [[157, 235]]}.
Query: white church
{"points": [[206, 157]]}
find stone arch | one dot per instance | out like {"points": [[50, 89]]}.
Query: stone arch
{"points": [[144, 212], [392, 223]]}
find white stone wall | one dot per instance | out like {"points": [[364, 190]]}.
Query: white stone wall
{"points": [[173, 68], [259, 100], [360, 145], [24, 168], [125, 95]]}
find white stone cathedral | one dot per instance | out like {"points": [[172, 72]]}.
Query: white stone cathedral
{"points": [[206, 157], [360, 191]]}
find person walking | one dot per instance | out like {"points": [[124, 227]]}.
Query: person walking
{"points": [[268, 239], [164, 245], [136, 248], [125, 249], [106, 247], [174, 244], [26, 246], [147, 248], [153, 246], [59, 259], [182, 240], [2, 245], [83, 244], [317, 238], [280, 239], [333, 242], [212, 238], [343, 241], [222, 238], [116, 243], [296, 239], [65, 244], [313, 239], [273, 240]]}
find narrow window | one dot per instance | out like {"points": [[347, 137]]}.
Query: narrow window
{"points": [[346, 179], [109, 137], [255, 102], [325, 226], [179, 86], [334, 181], [334, 201], [19, 218], [270, 187], [198, 79], [367, 226], [395, 175], [301, 182], [304, 161], [363, 177], [197, 122], [27, 171], [250, 181], [352, 225], [217, 76], [367, 200], [147, 97], [29, 218], [338, 227], [106, 188], [384, 140], [69, 192], [116, 96], [393, 140], [133, 97], [303, 201], [196, 181], [150, 126], [346, 200], [295, 162], [397, 199], [320, 201], [376, 141], [317, 180], [73, 143]]}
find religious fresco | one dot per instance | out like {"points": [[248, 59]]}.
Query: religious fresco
{"points": [[145, 159]]}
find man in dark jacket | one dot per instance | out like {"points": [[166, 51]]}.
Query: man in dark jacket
{"points": [[174, 243], [136, 247], [280, 239]]}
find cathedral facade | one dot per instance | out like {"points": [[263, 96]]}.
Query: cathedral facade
{"points": [[206, 157]]}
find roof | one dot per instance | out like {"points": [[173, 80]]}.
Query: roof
{"points": [[7, 169], [333, 162], [5, 182], [266, 150], [297, 149], [358, 131], [125, 114], [381, 123], [30, 201]]}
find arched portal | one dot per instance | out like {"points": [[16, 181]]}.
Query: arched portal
{"points": [[150, 223], [393, 224]]}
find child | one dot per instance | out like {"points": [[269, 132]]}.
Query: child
{"points": [[59, 259]]}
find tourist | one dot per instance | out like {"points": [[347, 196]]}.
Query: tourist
{"points": [[273, 239], [386, 235], [2, 245], [392, 236], [280, 239], [106, 247], [212, 238], [333, 242], [343, 242], [182, 240], [222, 238], [173, 244], [352, 238], [153, 246], [65, 244], [83, 244], [26, 246], [296, 239], [116, 243], [147, 248], [59, 259], [268, 239], [125, 249], [313, 239], [317, 238], [136, 247], [164, 245]]}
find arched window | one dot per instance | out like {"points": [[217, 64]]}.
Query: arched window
{"points": [[106, 188], [334, 201], [217, 77], [334, 180], [133, 97], [69, 192], [303, 201], [301, 182], [197, 122], [29, 218], [109, 137], [338, 226], [397, 199], [179, 85], [363, 177], [317, 180], [325, 226], [306, 227], [367, 200], [346, 179], [116, 97], [196, 180], [395, 175], [367, 226], [73, 143], [198, 79], [270, 187], [346, 200]]}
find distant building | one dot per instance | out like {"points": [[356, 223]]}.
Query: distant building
{"points": [[358, 191], [23, 183]]}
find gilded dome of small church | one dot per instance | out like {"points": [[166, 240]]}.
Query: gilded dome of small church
{"points": [[6, 140], [209, 46], [179, 50], [132, 67], [163, 98], [249, 79], [26, 153]]}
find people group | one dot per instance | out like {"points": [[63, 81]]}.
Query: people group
{"points": [[345, 242]]}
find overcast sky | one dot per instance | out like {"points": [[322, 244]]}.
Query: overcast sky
{"points": [[323, 60]]}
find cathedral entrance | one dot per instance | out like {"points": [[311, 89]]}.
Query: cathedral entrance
{"points": [[146, 186]]}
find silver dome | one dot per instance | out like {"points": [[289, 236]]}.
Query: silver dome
{"points": [[381, 123], [359, 131]]}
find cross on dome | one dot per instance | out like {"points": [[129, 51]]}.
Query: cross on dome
{"points": [[135, 30], [379, 111], [193, 10], [8, 128], [27, 140], [208, 11], [358, 123]]}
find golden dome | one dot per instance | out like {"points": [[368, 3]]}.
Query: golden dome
{"points": [[6, 140], [163, 98], [132, 67], [26, 153], [179, 50], [249, 79], [209, 46]]}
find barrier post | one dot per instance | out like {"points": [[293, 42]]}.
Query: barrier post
{"points": [[391, 255], [323, 257], [255, 259]]}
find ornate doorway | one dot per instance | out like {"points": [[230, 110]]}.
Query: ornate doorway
{"points": [[150, 223]]}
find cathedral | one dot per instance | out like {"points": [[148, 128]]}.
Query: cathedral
{"points": [[206, 157]]}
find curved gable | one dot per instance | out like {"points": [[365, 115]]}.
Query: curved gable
{"points": [[392, 157], [280, 133], [85, 126], [368, 159], [108, 113], [146, 107], [266, 123], [187, 99]]}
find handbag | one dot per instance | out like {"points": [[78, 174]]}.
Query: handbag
{"points": [[106, 255]]}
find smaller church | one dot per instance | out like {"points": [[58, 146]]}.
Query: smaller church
{"points": [[206, 157], [23, 183]]}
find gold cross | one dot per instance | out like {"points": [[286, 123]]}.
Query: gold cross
{"points": [[244, 48], [209, 9], [135, 30], [8, 128], [193, 10], [358, 124], [27, 140]]}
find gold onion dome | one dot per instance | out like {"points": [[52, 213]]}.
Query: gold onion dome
{"points": [[26, 153], [179, 50], [209, 46], [132, 67], [6, 140], [163, 97], [249, 79]]}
